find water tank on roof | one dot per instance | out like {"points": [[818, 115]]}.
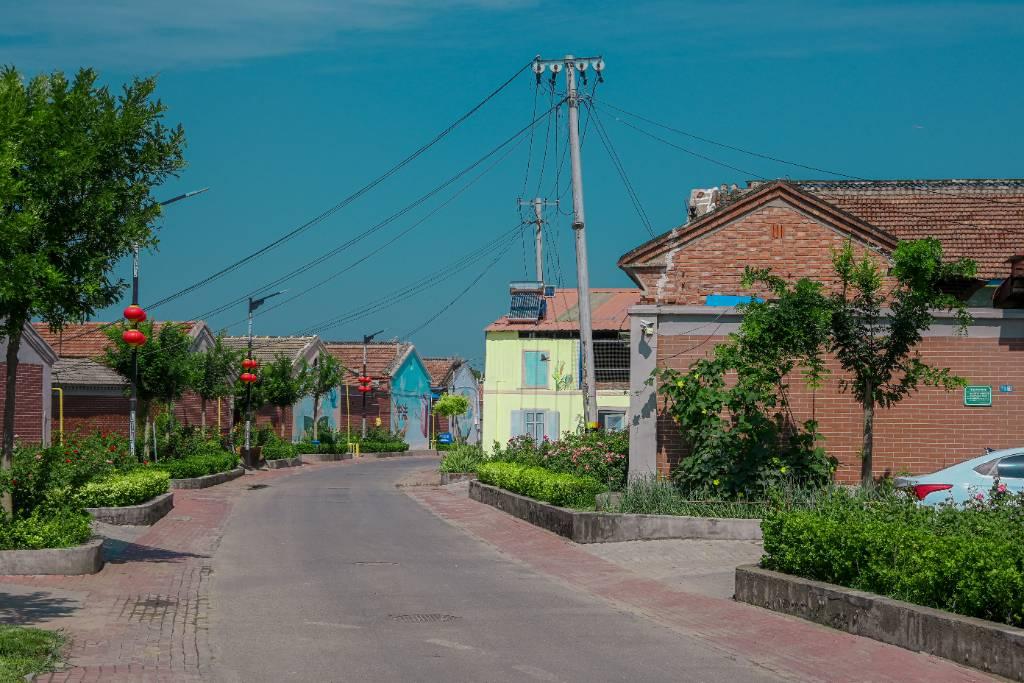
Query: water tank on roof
{"points": [[703, 201]]}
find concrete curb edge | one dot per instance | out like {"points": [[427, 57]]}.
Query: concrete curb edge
{"points": [[144, 514], [284, 462], [80, 559], [207, 480], [977, 643], [608, 527]]}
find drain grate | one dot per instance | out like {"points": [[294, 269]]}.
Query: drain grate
{"points": [[375, 563], [422, 618]]}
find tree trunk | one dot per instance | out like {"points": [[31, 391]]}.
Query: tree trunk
{"points": [[282, 409], [202, 416], [145, 438], [10, 403], [316, 414], [866, 478]]}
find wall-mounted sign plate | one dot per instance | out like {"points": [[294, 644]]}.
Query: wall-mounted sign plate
{"points": [[978, 396], [1006, 388]]}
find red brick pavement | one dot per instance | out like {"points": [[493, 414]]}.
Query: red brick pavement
{"points": [[145, 615], [783, 644]]}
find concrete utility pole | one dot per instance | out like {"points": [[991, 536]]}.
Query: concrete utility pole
{"points": [[253, 305], [572, 65], [538, 205]]}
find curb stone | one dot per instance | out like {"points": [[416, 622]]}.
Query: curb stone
{"points": [[284, 462], [986, 645], [607, 527], [453, 477], [207, 480], [144, 514], [80, 559]]}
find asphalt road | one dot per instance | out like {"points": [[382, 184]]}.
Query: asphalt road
{"points": [[336, 575]]}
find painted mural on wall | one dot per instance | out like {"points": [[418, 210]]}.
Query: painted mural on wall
{"points": [[303, 414], [410, 402], [465, 384]]}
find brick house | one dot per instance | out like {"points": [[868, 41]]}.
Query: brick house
{"points": [[32, 416], [690, 282], [401, 396], [455, 376], [96, 397], [299, 349]]}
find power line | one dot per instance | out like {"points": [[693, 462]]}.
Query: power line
{"points": [[617, 163], [344, 202]]}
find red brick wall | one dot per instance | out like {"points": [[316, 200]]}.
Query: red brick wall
{"points": [[28, 409], [272, 415], [776, 237], [93, 413], [189, 411], [927, 431], [377, 405]]}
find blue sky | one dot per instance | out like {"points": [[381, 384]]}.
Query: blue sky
{"points": [[291, 106]]}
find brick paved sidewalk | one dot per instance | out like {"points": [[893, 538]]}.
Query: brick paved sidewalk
{"points": [[786, 645], [144, 617]]}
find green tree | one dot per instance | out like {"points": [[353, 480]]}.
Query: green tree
{"points": [[877, 347], [451, 406], [213, 373], [166, 365], [77, 164], [281, 385], [325, 376]]}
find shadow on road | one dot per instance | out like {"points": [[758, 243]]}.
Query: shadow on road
{"points": [[25, 609], [118, 552]]}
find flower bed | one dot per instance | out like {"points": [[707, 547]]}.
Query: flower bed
{"points": [[566, 490], [60, 528], [969, 561], [125, 488], [198, 465]]}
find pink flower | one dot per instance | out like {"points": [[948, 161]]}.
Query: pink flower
{"points": [[110, 462], [1001, 488], [979, 496]]}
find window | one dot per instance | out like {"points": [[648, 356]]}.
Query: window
{"points": [[611, 360], [1011, 467], [535, 369], [534, 424], [612, 420]]}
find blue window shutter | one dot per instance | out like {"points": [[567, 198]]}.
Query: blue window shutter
{"points": [[518, 425], [551, 426]]}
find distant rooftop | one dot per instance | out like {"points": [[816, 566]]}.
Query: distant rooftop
{"points": [[608, 308]]}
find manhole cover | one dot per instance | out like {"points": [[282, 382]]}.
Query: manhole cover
{"points": [[422, 618], [255, 487], [375, 563]]}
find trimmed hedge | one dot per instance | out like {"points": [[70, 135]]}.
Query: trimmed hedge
{"points": [[565, 490], [968, 561], [198, 465], [127, 488], [276, 449], [60, 528], [463, 458], [383, 446]]}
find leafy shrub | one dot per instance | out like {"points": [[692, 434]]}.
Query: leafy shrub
{"points": [[367, 446], [123, 488], [598, 454], [522, 450], [654, 496], [25, 651], [567, 490], [199, 465], [969, 561], [38, 472], [276, 448], [463, 458], [59, 528]]}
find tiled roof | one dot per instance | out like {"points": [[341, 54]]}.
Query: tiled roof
{"points": [[84, 372], [978, 219], [440, 369], [84, 340], [382, 358], [608, 311], [266, 349]]}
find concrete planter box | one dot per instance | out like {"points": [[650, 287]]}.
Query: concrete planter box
{"points": [[607, 527], [208, 480], [284, 462], [80, 559], [985, 645], [145, 514], [452, 477], [325, 457]]}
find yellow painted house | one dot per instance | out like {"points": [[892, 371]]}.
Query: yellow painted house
{"points": [[533, 365]]}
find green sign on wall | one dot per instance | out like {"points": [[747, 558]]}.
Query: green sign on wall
{"points": [[978, 396]]}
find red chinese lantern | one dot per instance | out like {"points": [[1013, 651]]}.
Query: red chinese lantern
{"points": [[135, 313], [250, 364], [248, 377], [133, 337]]}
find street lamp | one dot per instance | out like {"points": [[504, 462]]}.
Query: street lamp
{"points": [[367, 338], [134, 338], [249, 365]]}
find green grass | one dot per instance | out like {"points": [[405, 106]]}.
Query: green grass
{"points": [[27, 650], [650, 496]]}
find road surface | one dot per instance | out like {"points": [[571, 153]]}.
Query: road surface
{"points": [[334, 574]]}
